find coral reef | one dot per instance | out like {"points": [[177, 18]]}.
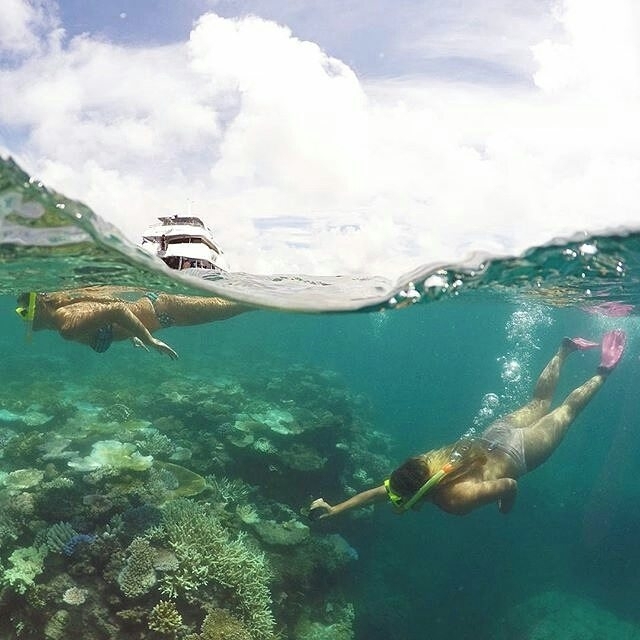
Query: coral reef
{"points": [[172, 510], [23, 479], [219, 624], [75, 596], [165, 618], [27, 563], [138, 575], [58, 536], [208, 554], [112, 454], [288, 533]]}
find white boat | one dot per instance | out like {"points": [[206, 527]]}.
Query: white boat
{"points": [[184, 242]]}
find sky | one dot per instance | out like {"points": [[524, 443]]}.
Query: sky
{"points": [[334, 137]]}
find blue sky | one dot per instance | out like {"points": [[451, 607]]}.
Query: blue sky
{"points": [[332, 137], [380, 38]]}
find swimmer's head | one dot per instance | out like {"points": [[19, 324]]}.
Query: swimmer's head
{"points": [[407, 479]]}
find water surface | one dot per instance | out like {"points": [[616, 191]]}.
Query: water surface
{"points": [[370, 370]]}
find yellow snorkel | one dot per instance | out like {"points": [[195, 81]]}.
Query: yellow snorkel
{"points": [[433, 481], [28, 313]]}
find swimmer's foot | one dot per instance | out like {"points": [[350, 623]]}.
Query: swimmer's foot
{"points": [[581, 344], [613, 344]]}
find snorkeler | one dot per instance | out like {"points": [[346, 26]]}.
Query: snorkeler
{"points": [[481, 470], [98, 316]]}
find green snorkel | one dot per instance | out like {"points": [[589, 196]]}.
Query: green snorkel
{"points": [[460, 456], [28, 313], [433, 481]]}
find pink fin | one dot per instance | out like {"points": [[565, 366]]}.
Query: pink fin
{"points": [[582, 343], [613, 344]]}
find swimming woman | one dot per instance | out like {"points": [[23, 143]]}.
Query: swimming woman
{"points": [[98, 316], [474, 472]]}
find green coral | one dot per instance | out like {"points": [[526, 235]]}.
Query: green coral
{"points": [[209, 557], [57, 536], [165, 618], [27, 564], [138, 575]]}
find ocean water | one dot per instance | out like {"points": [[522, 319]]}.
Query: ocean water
{"points": [[322, 390]]}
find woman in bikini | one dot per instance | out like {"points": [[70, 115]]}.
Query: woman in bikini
{"points": [[474, 472], [98, 316]]}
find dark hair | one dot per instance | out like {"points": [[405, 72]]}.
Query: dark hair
{"points": [[409, 476]]}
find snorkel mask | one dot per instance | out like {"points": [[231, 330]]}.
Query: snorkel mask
{"points": [[28, 313], [401, 505]]}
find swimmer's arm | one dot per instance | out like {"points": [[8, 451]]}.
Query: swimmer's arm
{"points": [[362, 499], [463, 497], [80, 321]]}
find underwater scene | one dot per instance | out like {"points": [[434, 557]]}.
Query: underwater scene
{"points": [[165, 492]]}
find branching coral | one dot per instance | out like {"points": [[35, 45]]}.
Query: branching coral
{"points": [[58, 536], [138, 575], [229, 490], [165, 618], [208, 556]]}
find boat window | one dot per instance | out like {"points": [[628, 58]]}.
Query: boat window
{"points": [[184, 240], [172, 262]]}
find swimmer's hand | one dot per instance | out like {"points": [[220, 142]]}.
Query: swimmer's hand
{"points": [[138, 344], [319, 509], [162, 347]]}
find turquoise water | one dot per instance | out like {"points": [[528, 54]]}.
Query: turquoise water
{"points": [[366, 384]]}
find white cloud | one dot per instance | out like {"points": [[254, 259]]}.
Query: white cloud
{"points": [[24, 24], [253, 124], [600, 58]]}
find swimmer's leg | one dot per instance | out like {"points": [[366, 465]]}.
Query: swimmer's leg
{"points": [[192, 310], [543, 437], [546, 384]]}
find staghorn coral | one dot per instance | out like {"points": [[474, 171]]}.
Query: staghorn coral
{"points": [[229, 490], [165, 618], [209, 557], [138, 575], [155, 443]]}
